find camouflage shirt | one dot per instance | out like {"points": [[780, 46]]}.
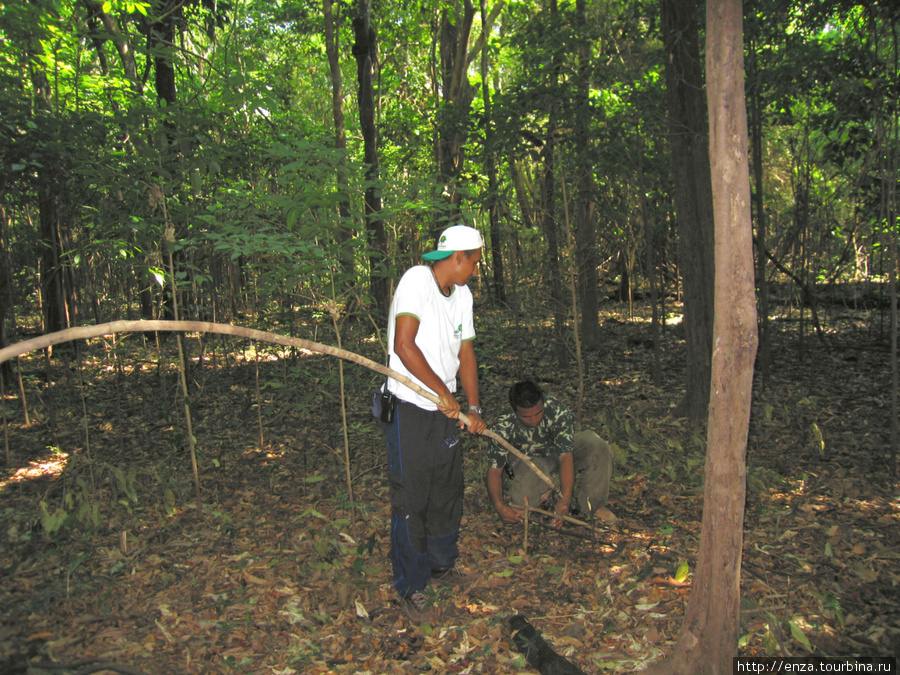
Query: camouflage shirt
{"points": [[552, 437]]}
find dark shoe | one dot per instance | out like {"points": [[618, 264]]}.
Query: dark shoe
{"points": [[452, 577], [419, 608]]}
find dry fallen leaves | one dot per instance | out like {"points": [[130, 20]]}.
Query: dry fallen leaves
{"points": [[273, 576]]}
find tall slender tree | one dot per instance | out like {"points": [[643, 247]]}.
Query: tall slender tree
{"points": [[585, 218], [365, 49], [57, 287], [490, 165], [693, 193], [332, 50], [707, 641], [549, 207], [457, 94], [759, 201]]}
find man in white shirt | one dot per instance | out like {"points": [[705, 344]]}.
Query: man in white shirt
{"points": [[430, 334]]}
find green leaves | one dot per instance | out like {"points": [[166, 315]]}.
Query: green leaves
{"points": [[128, 6], [798, 634], [126, 482], [52, 522]]}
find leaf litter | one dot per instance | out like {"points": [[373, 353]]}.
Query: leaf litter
{"points": [[278, 574]]}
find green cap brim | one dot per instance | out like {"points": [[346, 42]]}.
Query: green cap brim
{"points": [[437, 255]]}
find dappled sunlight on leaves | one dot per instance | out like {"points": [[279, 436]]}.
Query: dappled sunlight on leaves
{"points": [[48, 467], [275, 576]]}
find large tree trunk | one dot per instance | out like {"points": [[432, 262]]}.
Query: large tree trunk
{"points": [[707, 641], [364, 50], [693, 197]]}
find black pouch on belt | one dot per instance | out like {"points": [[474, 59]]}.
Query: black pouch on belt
{"points": [[383, 402]]}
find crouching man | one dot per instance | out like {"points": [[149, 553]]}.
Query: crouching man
{"points": [[544, 429]]}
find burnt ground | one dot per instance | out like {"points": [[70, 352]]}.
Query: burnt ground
{"points": [[106, 557]]}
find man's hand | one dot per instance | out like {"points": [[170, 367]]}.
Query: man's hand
{"points": [[566, 485], [562, 509], [476, 424], [449, 406], [508, 515], [494, 481]]}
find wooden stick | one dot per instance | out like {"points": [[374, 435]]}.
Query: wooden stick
{"points": [[85, 332], [568, 519], [568, 533], [525, 545]]}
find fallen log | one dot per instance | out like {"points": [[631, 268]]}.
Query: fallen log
{"points": [[538, 652]]}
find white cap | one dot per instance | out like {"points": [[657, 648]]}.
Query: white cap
{"points": [[456, 238]]}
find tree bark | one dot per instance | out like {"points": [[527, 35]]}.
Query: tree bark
{"points": [[693, 195], [585, 225], [549, 218], [707, 641], [493, 201], [759, 202], [123, 45], [364, 50], [457, 96], [345, 230], [162, 41]]}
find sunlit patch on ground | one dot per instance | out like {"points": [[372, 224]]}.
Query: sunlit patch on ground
{"points": [[50, 466]]}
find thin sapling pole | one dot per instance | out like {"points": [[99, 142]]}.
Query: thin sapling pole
{"points": [[182, 366]]}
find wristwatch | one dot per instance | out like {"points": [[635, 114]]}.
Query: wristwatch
{"points": [[475, 408]]}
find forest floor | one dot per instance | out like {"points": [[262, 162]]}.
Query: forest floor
{"points": [[106, 557]]}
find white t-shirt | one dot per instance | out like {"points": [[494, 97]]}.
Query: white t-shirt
{"points": [[444, 324]]}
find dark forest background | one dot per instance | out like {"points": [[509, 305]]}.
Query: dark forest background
{"points": [[278, 165]]}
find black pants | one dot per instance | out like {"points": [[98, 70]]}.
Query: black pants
{"points": [[426, 478]]}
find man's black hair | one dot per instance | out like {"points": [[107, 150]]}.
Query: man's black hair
{"points": [[525, 394]]}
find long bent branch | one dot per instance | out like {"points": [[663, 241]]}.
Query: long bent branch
{"points": [[85, 332]]}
